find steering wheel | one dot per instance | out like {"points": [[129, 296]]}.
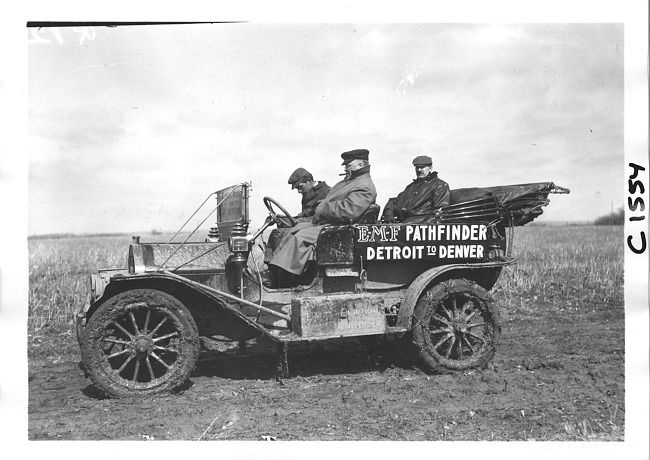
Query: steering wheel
{"points": [[269, 202]]}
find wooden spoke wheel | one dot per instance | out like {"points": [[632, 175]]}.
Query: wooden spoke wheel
{"points": [[141, 341], [456, 326]]}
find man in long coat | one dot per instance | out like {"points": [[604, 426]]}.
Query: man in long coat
{"points": [[344, 204], [423, 196]]}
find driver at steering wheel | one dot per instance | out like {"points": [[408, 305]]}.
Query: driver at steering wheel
{"points": [[312, 191], [344, 204]]}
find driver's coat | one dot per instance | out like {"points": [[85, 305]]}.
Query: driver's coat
{"points": [[344, 204]]}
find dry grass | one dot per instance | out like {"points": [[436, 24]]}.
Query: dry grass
{"points": [[568, 268], [59, 271]]}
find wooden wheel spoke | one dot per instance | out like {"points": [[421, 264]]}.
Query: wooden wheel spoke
{"points": [[136, 372], [443, 340], [455, 307], [125, 363], [159, 359], [459, 347], [151, 374], [134, 322], [480, 339], [118, 341], [475, 325], [146, 322], [119, 353], [444, 311], [439, 331], [448, 352], [440, 319], [470, 316], [172, 349], [471, 347], [166, 336], [121, 328], [163, 321]]}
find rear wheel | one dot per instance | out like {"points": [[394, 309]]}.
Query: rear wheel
{"points": [[456, 326], [139, 342]]}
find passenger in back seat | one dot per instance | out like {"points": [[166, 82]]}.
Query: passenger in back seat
{"points": [[423, 196]]}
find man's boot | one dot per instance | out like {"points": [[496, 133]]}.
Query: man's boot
{"points": [[269, 279], [276, 277]]}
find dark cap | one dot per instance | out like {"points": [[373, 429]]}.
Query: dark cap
{"points": [[358, 154], [297, 176], [422, 160]]}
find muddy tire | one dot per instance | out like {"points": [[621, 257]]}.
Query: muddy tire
{"points": [[140, 342], [456, 326]]}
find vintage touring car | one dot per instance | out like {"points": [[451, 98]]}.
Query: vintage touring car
{"points": [[426, 280]]}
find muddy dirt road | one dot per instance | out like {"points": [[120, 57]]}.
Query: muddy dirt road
{"points": [[557, 375]]}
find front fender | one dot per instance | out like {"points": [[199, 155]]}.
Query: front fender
{"points": [[212, 313], [475, 272]]}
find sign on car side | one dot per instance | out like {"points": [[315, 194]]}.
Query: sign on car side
{"points": [[422, 242]]}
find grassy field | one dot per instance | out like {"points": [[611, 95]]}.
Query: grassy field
{"points": [[568, 267], [565, 267]]}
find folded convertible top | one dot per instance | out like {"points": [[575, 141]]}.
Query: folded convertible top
{"points": [[512, 205]]}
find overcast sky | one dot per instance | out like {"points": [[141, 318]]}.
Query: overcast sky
{"points": [[130, 128]]}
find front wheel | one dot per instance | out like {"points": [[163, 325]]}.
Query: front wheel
{"points": [[456, 326], [140, 342]]}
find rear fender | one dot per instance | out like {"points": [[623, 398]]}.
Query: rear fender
{"points": [[485, 274], [212, 314]]}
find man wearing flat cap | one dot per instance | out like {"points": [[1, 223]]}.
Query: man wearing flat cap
{"points": [[312, 191], [423, 196], [345, 203]]}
